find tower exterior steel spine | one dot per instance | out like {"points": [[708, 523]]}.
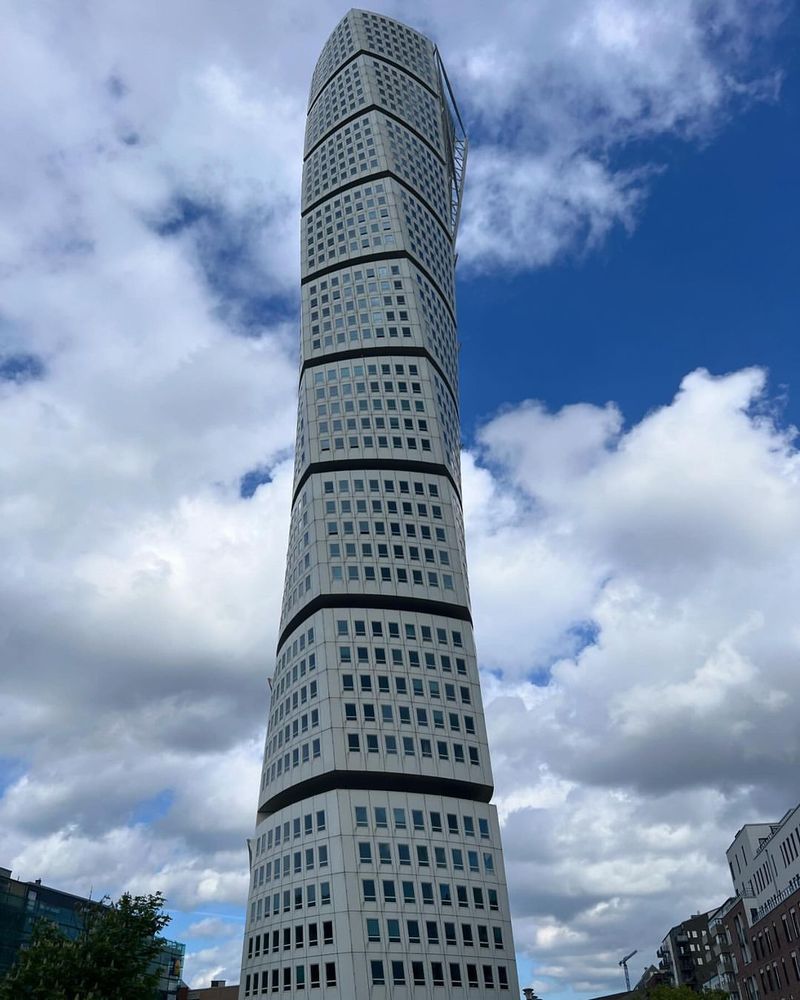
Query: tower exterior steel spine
{"points": [[376, 864]]}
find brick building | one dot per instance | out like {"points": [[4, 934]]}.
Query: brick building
{"points": [[756, 933]]}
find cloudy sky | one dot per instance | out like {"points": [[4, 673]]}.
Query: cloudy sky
{"points": [[628, 308]]}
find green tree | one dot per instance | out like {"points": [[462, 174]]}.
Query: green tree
{"points": [[666, 992], [112, 958]]}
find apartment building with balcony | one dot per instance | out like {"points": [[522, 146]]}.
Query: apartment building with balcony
{"points": [[756, 933]]}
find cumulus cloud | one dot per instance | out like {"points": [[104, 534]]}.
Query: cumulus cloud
{"points": [[551, 116], [672, 719], [148, 268]]}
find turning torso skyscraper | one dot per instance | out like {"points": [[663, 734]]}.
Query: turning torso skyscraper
{"points": [[376, 864]]}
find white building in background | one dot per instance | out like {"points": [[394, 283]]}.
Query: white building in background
{"points": [[764, 860], [376, 863]]}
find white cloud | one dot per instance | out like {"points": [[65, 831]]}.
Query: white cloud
{"points": [[528, 210], [673, 719]]}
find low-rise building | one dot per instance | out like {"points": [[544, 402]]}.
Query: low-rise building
{"points": [[23, 903], [685, 954], [218, 990]]}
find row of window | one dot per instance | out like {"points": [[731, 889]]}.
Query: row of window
{"points": [[347, 249], [354, 573], [775, 977], [293, 649], [400, 973], [413, 973], [311, 935], [346, 507], [293, 863], [294, 700], [434, 824], [436, 689], [790, 847], [343, 95], [294, 829], [290, 899], [415, 162], [380, 321], [413, 553], [406, 98], [373, 142], [369, 716], [375, 535], [427, 522], [370, 743], [342, 227], [350, 151], [291, 730], [427, 241], [399, 43], [390, 930], [427, 894], [290, 977], [332, 313], [299, 755], [282, 680], [380, 818], [386, 574], [377, 33], [297, 899], [763, 944], [403, 658], [303, 694], [336, 50], [460, 860], [411, 632], [376, 656], [395, 528], [426, 633], [367, 81], [435, 934], [422, 717], [440, 323]]}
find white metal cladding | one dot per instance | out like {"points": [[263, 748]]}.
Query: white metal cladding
{"points": [[376, 864]]}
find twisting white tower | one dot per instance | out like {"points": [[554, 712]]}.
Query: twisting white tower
{"points": [[376, 865]]}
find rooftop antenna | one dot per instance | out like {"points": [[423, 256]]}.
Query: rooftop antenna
{"points": [[624, 963]]}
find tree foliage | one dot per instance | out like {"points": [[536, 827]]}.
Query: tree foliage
{"points": [[112, 958], [666, 992]]}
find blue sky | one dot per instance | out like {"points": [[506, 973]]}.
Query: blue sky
{"points": [[627, 295], [708, 279]]}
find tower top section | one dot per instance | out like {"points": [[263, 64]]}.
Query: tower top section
{"points": [[373, 62], [362, 31]]}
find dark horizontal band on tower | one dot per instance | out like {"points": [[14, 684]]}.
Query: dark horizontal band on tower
{"points": [[377, 781], [380, 175], [374, 464], [384, 111], [373, 258], [376, 602], [378, 352], [375, 55]]}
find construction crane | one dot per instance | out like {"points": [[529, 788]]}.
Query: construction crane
{"points": [[624, 963]]}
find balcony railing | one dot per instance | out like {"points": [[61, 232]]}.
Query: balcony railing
{"points": [[779, 897]]}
